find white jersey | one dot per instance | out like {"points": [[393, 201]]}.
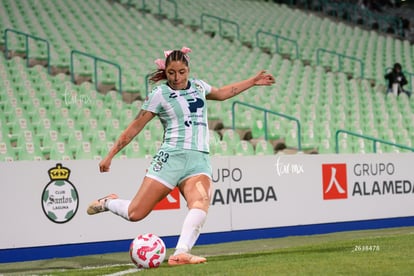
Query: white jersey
{"points": [[183, 114]]}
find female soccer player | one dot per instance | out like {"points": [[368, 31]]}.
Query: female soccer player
{"points": [[183, 159]]}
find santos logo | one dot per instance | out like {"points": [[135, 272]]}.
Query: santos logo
{"points": [[334, 180]]}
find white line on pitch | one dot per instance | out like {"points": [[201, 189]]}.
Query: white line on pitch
{"points": [[120, 273]]}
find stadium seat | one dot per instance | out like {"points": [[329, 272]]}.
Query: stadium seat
{"points": [[48, 139], [58, 151], [230, 136], [214, 140], [112, 127], [258, 130], [7, 158], [6, 151], [244, 147], [75, 139], [23, 137], [135, 150], [153, 148], [87, 151], [126, 116], [29, 151], [65, 127], [264, 147], [222, 148]]}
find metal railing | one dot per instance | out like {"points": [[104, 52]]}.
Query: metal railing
{"points": [[172, 2], [366, 137], [220, 24], [27, 45], [130, 4], [352, 12], [265, 112], [277, 38], [341, 57], [95, 66]]}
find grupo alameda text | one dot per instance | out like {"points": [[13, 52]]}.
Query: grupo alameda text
{"points": [[234, 194], [383, 183]]}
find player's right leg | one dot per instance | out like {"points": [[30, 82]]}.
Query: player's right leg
{"points": [[197, 192], [185, 258], [149, 194]]}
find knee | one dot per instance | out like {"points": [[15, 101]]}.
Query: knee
{"points": [[201, 203], [135, 216], [201, 200]]}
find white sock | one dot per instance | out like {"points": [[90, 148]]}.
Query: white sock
{"points": [[191, 230], [118, 207]]}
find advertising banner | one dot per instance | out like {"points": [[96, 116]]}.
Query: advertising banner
{"points": [[44, 202]]}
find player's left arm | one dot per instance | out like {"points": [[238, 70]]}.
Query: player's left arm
{"points": [[231, 90]]}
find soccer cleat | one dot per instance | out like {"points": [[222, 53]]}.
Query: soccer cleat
{"points": [[98, 206], [185, 258]]}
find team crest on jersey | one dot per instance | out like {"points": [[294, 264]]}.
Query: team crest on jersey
{"points": [[157, 166], [199, 87]]}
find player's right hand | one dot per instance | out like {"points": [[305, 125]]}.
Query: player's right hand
{"points": [[105, 164]]}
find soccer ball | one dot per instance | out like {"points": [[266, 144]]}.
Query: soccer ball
{"points": [[147, 251]]}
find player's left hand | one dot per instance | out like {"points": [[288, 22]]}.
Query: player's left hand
{"points": [[263, 78]]}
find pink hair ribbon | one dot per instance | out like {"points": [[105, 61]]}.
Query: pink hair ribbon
{"points": [[161, 63]]}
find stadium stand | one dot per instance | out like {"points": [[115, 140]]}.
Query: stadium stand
{"points": [[49, 116]]}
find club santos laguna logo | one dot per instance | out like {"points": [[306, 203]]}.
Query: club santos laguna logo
{"points": [[60, 199]]}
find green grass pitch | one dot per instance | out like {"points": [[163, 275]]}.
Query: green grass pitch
{"points": [[370, 252]]}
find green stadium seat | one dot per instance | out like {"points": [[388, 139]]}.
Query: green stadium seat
{"points": [[230, 136], [153, 148], [17, 126], [263, 147], [127, 116], [258, 130], [100, 136], [103, 147], [58, 151], [49, 139], [7, 158], [112, 128], [244, 148], [44, 126], [214, 139], [306, 92], [30, 151], [103, 115], [222, 148], [135, 150], [6, 150], [87, 151]]}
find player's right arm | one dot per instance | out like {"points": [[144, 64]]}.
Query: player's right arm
{"points": [[126, 137]]}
